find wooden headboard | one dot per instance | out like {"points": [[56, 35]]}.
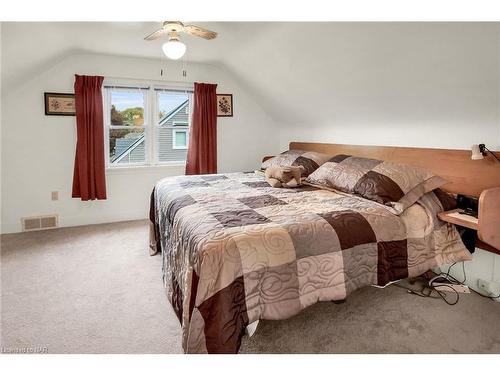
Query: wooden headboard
{"points": [[466, 176]]}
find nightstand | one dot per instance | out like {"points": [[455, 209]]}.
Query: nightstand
{"points": [[456, 217], [487, 224]]}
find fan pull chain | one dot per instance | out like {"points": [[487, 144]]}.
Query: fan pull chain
{"points": [[161, 65], [184, 72]]}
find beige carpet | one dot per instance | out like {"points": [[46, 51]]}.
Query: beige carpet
{"points": [[95, 289]]}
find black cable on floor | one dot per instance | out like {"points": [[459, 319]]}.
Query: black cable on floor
{"points": [[427, 290]]}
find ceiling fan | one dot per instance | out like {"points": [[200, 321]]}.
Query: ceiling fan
{"points": [[174, 49]]}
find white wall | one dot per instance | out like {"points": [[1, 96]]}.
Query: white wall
{"points": [[38, 151], [414, 84]]}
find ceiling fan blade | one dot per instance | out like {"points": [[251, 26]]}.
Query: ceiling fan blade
{"points": [[155, 35], [199, 31]]}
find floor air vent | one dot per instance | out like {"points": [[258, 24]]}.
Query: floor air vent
{"points": [[39, 222]]}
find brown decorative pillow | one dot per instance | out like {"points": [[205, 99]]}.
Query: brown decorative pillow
{"points": [[393, 184], [447, 200], [437, 201], [308, 161]]}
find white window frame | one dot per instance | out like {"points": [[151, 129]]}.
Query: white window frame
{"points": [[180, 130], [157, 90], [108, 126], [150, 90]]}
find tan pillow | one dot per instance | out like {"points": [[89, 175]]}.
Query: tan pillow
{"points": [[396, 185], [308, 161]]}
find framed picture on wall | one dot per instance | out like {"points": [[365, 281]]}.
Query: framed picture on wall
{"points": [[224, 105], [57, 104]]}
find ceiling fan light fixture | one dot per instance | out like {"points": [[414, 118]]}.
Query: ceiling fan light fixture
{"points": [[174, 49]]}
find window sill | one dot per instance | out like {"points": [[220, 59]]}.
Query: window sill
{"points": [[135, 169]]}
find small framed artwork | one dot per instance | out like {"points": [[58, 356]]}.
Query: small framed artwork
{"points": [[224, 105], [59, 104]]}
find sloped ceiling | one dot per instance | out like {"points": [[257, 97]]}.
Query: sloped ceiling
{"points": [[302, 73], [28, 47], [308, 73]]}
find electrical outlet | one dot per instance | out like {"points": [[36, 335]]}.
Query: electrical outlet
{"points": [[55, 195], [485, 286]]}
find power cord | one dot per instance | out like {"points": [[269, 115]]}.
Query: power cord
{"points": [[426, 292], [448, 276], [451, 278], [428, 288], [483, 149]]}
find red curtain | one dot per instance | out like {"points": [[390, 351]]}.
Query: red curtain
{"points": [[202, 151], [89, 181]]}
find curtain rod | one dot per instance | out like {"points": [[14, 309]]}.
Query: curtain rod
{"points": [[126, 87], [169, 89], [150, 80]]}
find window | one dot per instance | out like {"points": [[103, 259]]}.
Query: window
{"points": [[180, 139], [174, 117], [146, 125], [180, 136], [126, 119]]}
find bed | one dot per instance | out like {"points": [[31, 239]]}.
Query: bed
{"points": [[236, 250]]}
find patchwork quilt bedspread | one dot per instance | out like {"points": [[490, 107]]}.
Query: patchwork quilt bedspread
{"points": [[236, 250]]}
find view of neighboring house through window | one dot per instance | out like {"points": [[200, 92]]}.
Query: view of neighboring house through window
{"points": [[131, 140], [173, 125]]}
